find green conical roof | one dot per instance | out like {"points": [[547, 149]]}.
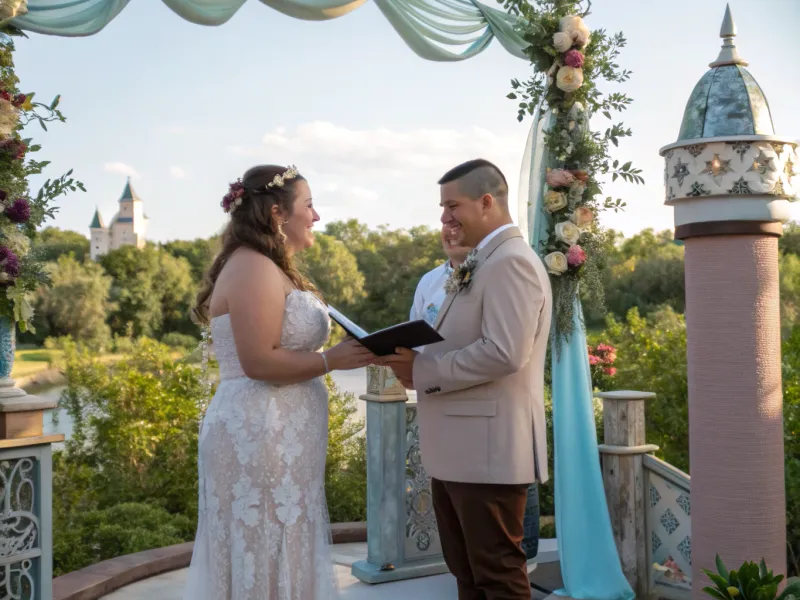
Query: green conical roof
{"points": [[128, 194], [97, 221]]}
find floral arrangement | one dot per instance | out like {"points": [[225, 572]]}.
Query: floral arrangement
{"points": [[569, 61], [21, 213], [601, 363]]}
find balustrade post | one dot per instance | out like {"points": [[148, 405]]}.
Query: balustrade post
{"points": [[623, 478], [26, 498], [402, 540]]}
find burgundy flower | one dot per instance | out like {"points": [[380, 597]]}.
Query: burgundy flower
{"points": [[16, 148], [5, 95], [9, 261], [19, 100], [573, 58], [19, 211], [3, 196]]}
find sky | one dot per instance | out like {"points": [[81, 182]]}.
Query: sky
{"points": [[185, 109]]}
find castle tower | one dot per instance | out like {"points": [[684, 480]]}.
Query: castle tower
{"points": [[98, 236], [729, 178], [128, 226]]}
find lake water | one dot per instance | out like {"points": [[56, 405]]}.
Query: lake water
{"points": [[354, 382]]}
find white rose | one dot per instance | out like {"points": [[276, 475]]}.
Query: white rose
{"points": [[569, 79], [554, 201], [556, 263], [582, 216], [576, 191], [562, 41], [568, 232], [576, 29]]}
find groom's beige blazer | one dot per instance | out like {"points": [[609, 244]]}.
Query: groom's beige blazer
{"points": [[480, 392]]}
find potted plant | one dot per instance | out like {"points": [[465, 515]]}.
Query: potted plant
{"points": [[751, 582]]}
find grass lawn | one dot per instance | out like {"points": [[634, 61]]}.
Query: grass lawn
{"points": [[35, 360]]}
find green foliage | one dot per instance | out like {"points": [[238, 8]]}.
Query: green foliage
{"points": [[84, 538], [152, 290], [651, 356], [199, 253], [53, 243], [77, 303], [392, 263], [135, 427], [16, 167], [791, 425], [181, 341], [751, 582], [346, 462], [574, 149]]}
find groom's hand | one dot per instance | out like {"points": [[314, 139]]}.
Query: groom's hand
{"points": [[402, 363]]}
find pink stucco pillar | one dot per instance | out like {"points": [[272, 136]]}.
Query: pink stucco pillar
{"points": [[735, 399]]}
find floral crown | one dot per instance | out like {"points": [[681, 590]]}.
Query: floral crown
{"points": [[236, 189]]}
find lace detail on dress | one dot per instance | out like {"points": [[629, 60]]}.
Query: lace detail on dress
{"points": [[263, 525]]}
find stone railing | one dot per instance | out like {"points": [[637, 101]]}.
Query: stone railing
{"points": [[26, 542], [649, 502]]}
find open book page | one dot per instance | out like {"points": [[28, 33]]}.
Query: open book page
{"points": [[350, 327]]}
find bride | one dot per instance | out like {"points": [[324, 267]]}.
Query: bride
{"points": [[262, 524]]}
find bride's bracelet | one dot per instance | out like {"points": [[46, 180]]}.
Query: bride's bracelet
{"points": [[325, 360]]}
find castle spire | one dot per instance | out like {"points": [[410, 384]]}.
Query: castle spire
{"points": [[728, 55], [97, 220]]}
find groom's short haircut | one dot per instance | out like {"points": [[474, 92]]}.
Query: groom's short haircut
{"points": [[479, 177]]}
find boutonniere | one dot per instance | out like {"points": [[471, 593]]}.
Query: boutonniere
{"points": [[462, 276]]}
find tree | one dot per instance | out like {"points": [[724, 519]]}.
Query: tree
{"points": [[136, 290], [651, 356], [392, 262], [176, 288], [199, 252], [77, 304], [333, 268], [53, 242], [789, 265]]}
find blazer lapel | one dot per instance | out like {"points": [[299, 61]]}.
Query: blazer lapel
{"points": [[483, 254]]}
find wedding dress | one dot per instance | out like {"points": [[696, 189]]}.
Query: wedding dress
{"points": [[262, 516]]}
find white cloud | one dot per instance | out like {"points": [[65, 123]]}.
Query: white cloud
{"points": [[122, 168], [364, 193], [383, 176], [177, 172]]}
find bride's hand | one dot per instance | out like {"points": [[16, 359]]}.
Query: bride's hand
{"points": [[347, 355]]}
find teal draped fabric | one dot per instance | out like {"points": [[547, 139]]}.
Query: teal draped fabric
{"points": [[429, 27], [590, 566]]}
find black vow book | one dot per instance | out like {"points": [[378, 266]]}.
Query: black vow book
{"points": [[412, 334]]}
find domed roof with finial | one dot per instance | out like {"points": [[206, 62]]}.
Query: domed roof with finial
{"points": [[727, 101]]}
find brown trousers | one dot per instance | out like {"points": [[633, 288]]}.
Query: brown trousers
{"points": [[480, 526]]}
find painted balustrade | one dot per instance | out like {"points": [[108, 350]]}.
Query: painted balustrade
{"points": [[649, 502]]}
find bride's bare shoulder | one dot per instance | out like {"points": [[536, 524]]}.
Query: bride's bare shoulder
{"points": [[245, 261]]}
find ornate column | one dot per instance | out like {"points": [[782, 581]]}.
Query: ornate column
{"points": [[402, 540], [622, 452], [26, 554], [729, 178]]}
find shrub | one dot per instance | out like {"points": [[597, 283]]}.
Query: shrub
{"points": [[180, 341]]}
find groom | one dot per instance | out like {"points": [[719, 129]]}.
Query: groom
{"points": [[481, 391]]}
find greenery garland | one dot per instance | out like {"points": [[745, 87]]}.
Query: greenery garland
{"points": [[21, 214], [568, 62]]}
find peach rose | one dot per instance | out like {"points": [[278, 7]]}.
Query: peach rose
{"points": [[559, 178], [582, 217], [569, 79]]}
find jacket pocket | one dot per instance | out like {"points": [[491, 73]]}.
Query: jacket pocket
{"points": [[470, 408]]}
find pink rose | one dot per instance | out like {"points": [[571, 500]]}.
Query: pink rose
{"points": [[594, 360], [573, 58], [559, 178], [576, 256], [610, 371]]}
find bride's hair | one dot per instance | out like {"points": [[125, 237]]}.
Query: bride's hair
{"points": [[254, 225]]}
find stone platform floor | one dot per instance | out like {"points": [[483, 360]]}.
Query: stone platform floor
{"points": [[169, 586]]}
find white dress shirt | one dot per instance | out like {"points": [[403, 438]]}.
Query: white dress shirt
{"points": [[430, 294]]}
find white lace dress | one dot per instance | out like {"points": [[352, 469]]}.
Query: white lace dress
{"points": [[262, 527]]}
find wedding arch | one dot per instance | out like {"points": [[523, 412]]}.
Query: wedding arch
{"points": [[561, 174]]}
